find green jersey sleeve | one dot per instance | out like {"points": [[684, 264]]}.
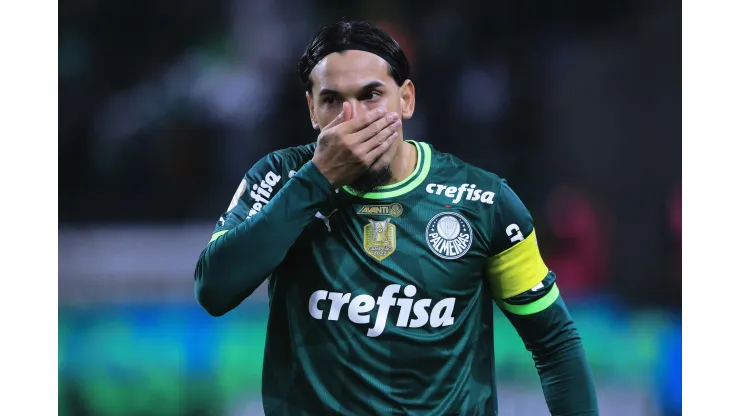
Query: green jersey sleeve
{"points": [[526, 292], [255, 190], [261, 184], [274, 202]]}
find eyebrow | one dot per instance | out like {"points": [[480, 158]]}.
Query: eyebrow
{"points": [[365, 88]]}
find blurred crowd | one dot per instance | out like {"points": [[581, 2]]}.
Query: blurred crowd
{"points": [[164, 105]]}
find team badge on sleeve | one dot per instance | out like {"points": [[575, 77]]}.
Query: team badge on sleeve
{"points": [[449, 235]]}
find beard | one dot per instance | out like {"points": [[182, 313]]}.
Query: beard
{"points": [[372, 178]]}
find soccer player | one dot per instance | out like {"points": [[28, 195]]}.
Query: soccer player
{"points": [[384, 257]]}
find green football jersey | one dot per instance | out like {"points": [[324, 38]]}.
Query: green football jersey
{"points": [[384, 302]]}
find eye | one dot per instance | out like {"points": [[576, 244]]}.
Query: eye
{"points": [[329, 99], [371, 95]]}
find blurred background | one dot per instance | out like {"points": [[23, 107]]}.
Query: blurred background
{"points": [[163, 106]]}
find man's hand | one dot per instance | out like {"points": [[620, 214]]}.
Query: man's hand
{"points": [[348, 146]]}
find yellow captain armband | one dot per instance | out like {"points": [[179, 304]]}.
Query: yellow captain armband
{"points": [[516, 270]]}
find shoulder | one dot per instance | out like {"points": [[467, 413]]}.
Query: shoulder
{"points": [[450, 171], [296, 155], [284, 162]]}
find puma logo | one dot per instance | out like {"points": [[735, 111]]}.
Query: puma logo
{"points": [[321, 216]]}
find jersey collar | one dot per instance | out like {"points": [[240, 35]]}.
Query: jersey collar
{"points": [[423, 165]]}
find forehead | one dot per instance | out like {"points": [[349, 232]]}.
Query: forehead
{"points": [[350, 68]]}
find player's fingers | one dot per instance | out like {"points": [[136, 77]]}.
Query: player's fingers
{"points": [[360, 122], [374, 128], [379, 138], [379, 150]]}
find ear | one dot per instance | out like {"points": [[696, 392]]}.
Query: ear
{"points": [[311, 114], [408, 99]]}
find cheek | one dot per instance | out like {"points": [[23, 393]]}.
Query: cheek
{"points": [[390, 103], [393, 104]]}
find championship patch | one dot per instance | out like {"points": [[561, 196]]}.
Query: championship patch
{"points": [[379, 238], [449, 235]]}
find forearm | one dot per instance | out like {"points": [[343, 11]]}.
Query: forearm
{"points": [[236, 262], [559, 357], [565, 375]]}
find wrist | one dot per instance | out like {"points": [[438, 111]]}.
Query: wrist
{"points": [[314, 173], [323, 171]]}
